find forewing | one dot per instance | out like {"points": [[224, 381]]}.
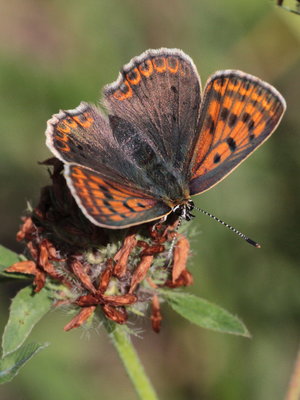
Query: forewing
{"points": [[158, 95], [239, 112], [82, 135], [110, 204]]}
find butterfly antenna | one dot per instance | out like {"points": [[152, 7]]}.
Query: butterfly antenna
{"points": [[255, 244]]}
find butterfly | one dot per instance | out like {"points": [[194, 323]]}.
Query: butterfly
{"points": [[163, 140]]}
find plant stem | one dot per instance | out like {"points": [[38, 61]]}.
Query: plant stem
{"points": [[122, 342]]}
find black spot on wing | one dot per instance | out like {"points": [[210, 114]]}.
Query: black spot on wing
{"points": [[217, 158], [128, 207], [221, 81], [106, 191], [210, 124], [251, 125], [231, 143], [224, 113], [245, 117], [232, 120]]}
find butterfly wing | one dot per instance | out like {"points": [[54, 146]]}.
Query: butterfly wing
{"points": [[152, 123], [82, 136], [158, 95], [239, 112], [117, 195], [110, 204]]}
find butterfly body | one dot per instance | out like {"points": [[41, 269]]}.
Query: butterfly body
{"points": [[184, 210], [162, 141]]}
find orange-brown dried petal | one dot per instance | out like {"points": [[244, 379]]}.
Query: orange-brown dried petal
{"points": [[123, 254], [39, 280], [43, 261], [158, 233], [52, 252], [106, 276], [26, 229], [140, 272], [181, 253], [43, 255], [80, 273], [117, 315], [156, 316], [23, 267], [88, 300], [151, 250], [33, 250], [80, 318], [121, 300], [185, 279], [142, 243]]}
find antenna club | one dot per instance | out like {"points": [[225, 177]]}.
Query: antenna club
{"points": [[255, 244]]}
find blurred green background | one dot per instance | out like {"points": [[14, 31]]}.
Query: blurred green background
{"points": [[53, 54]]}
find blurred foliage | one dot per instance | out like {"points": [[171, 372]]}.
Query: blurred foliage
{"points": [[54, 54]]}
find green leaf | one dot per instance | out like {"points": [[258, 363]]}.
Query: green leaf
{"points": [[26, 309], [7, 258], [11, 364], [203, 313]]}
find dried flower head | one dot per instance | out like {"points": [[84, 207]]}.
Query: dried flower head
{"points": [[118, 272]]}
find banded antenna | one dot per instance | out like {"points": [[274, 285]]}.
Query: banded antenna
{"points": [[240, 234]]}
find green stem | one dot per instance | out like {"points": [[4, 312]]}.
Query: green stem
{"points": [[122, 342]]}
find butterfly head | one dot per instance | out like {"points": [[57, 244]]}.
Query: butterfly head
{"points": [[184, 210]]}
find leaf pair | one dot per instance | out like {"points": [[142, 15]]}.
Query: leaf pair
{"points": [[25, 311]]}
